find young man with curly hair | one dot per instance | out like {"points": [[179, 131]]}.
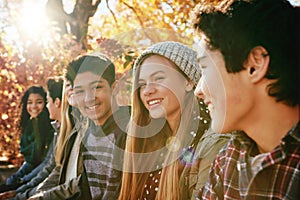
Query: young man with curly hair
{"points": [[250, 82]]}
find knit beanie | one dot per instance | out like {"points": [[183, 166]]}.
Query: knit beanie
{"points": [[183, 56]]}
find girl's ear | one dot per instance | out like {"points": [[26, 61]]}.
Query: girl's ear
{"points": [[257, 63], [189, 85]]}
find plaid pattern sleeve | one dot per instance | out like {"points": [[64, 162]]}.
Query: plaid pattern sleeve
{"points": [[277, 176]]}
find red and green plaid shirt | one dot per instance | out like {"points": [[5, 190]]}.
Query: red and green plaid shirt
{"points": [[277, 177]]}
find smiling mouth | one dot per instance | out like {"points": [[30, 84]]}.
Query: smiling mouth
{"points": [[92, 108], [34, 111], [154, 102]]}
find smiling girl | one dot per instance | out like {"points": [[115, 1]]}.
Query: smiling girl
{"points": [[37, 131], [165, 122]]}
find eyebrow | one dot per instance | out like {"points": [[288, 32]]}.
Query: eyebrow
{"points": [[153, 74]]}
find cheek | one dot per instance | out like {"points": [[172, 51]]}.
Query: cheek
{"points": [[104, 96], [204, 87], [78, 101], [235, 95], [177, 98], [28, 108]]}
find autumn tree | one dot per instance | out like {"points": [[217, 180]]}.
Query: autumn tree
{"points": [[76, 22], [119, 28]]}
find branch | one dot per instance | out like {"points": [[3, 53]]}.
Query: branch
{"points": [[132, 8], [95, 6], [112, 13], [138, 17]]}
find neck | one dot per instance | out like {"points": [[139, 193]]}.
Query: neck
{"points": [[103, 119], [270, 123]]}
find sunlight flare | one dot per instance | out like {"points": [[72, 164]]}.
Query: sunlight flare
{"points": [[33, 20]]}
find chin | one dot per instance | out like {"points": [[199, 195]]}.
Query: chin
{"points": [[156, 115]]}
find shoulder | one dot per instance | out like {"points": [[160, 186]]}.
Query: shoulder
{"points": [[230, 153], [212, 141]]}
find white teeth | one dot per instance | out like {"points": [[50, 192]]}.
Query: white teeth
{"points": [[91, 107], [154, 102]]}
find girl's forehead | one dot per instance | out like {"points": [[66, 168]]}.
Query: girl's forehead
{"points": [[158, 59], [156, 63], [35, 96]]}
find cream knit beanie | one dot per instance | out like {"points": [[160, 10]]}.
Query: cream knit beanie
{"points": [[183, 56]]}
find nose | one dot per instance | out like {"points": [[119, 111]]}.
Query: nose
{"points": [[33, 105], [148, 89], [89, 95], [199, 89]]}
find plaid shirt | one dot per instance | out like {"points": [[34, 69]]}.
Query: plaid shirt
{"points": [[277, 177]]}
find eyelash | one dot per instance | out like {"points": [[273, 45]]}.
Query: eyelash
{"points": [[82, 91], [155, 79], [99, 86], [159, 78], [78, 91]]}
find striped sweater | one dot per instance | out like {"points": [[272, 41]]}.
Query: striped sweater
{"points": [[100, 163], [102, 154]]}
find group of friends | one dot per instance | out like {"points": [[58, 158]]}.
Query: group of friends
{"points": [[220, 123]]}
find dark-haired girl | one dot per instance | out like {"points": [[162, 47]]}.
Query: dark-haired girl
{"points": [[36, 129]]}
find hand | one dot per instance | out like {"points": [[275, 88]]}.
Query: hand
{"points": [[7, 195]]}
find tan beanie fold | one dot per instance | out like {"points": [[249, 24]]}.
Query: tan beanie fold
{"points": [[183, 56]]}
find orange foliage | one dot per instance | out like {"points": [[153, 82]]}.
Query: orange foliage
{"points": [[121, 34], [18, 70]]}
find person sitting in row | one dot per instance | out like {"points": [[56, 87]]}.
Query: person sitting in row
{"points": [[250, 80], [168, 130], [91, 167], [54, 105], [37, 134]]}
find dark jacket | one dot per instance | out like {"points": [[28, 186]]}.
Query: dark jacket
{"points": [[36, 138], [28, 189], [100, 162]]}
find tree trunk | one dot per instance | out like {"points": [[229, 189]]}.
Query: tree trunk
{"points": [[76, 22]]}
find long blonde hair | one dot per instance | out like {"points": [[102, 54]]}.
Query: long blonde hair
{"points": [[133, 178], [65, 128]]}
